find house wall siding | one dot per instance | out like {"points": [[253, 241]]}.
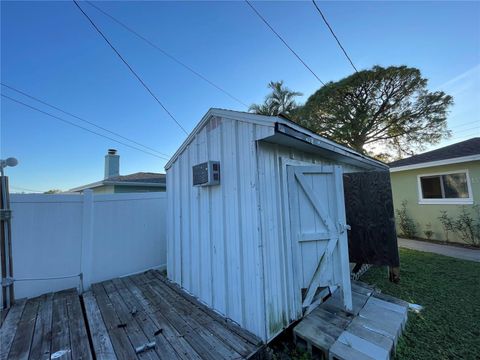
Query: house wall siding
{"points": [[405, 187]]}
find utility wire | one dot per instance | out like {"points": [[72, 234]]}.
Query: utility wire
{"points": [[335, 36], [284, 42], [82, 127], [130, 68], [156, 47], [468, 123], [464, 130], [25, 189], [81, 119]]}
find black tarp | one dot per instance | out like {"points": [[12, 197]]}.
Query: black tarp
{"points": [[369, 209]]}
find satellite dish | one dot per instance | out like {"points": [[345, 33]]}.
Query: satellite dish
{"points": [[11, 162]]}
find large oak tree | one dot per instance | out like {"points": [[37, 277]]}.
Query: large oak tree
{"points": [[388, 107]]}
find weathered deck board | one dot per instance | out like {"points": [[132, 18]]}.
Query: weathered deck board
{"points": [[60, 327], [127, 321], [229, 338], [102, 346], [42, 336], [368, 332], [181, 346], [227, 334], [118, 336], [119, 317], [22, 342], [251, 338], [202, 347], [9, 327], [48, 326], [152, 331], [79, 341]]}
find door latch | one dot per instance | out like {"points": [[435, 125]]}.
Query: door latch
{"points": [[343, 227]]}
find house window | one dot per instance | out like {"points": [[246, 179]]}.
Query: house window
{"points": [[451, 187]]}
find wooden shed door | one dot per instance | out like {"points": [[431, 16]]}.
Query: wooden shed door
{"points": [[319, 231]]}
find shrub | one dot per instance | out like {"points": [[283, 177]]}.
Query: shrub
{"points": [[428, 233], [406, 224], [447, 223], [466, 225]]}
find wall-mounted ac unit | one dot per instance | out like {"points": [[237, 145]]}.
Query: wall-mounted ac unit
{"points": [[206, 174]]}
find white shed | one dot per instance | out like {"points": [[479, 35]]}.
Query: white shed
{"points": [[256, 217]]}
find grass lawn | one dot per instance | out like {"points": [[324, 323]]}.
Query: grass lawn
{"points": [[449, 289]]}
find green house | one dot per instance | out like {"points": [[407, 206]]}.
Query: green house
{"points": [[443, 181]]}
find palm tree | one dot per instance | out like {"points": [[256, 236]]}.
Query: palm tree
{"points": [[280, 101]]}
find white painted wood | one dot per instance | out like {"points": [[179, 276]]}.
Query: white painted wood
{"points": [[230, 245], [217, 226], [343, 240], [364, 346], [329, 259], [103, 236], [314, 236]]}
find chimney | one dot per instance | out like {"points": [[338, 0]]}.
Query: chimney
{"points": [[112, 164]]}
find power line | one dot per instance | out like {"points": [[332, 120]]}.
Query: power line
{"points": [[335, 36], [156, 47], [284, 42], [25, 189], [82, 127], [469, 129], [81, 119], [130, 68], [468, 123]]}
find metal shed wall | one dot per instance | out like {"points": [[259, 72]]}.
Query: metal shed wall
{"points": [[280, 305], [214, 231]]}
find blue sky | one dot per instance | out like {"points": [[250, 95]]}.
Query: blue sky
{"points": [[49, 50]]}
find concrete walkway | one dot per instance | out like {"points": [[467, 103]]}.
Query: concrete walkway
{"points": [[447, 250]]}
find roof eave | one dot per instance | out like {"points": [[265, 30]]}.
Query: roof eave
{"points": [[307, 136], [87, 186], [456, 160], [134, 183], [270, 121]]}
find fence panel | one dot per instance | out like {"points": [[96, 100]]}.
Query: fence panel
{"points": [[126, 234], [98, 236], [46, 241]]}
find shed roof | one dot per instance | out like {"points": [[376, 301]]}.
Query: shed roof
{"points": [[286, 133], [468, 150]]}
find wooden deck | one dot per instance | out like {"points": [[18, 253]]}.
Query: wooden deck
{"points": [[138, 317], [369, 331], [50, 325]]}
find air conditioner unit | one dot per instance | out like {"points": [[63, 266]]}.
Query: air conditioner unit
{"points": [[206, 174]]}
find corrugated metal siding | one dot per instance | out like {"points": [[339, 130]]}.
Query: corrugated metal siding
{"points": [[214, 232], [282, 304]]}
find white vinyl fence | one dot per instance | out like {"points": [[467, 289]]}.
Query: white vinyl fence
{"points": [[79, 239]]}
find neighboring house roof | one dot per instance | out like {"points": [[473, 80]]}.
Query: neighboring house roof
{"points": [[137, 179], [140, 177], [285, 132], [468, 150]]}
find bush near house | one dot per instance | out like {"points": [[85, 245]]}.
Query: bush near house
{"points": [[465, 226], [406, 224], [449, 289]]}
